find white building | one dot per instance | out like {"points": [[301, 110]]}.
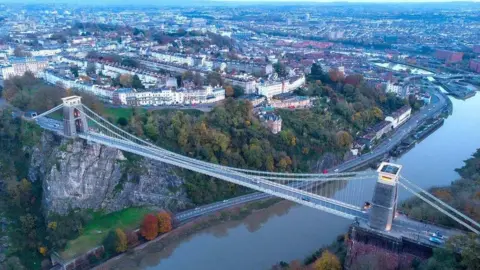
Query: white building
{"points": [[149, 79], [103, 93], [17, 66], [46, 52], [175, 58], [395, 88], [272, 88], [398, 89], [294, 83], [400, 116], [168, 96], [206, 94]]}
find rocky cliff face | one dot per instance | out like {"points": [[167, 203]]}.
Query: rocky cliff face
{"points": [[77, 174]]}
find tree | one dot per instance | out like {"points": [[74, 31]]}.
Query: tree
{"points": [[74, 70], [198, 79], [335, 75], [52, 225], [187, 76], [280, 69], [442, 259], [137, 83], [238, 91], [354, 79], [109, 243], [377, 113], [20, 52], [121, 242], [91, 68], [327, 261], [132, 238], [42, 250], [344, 139], [215, 79], [316, 73], [12, 263], [130, 63], [229, 92], [469, 247], [149, 228], [126, 80], [122, 121], [164, 222]]}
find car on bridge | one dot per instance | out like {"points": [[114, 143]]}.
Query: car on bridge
{"points": [[438, 235], [436, 240], [367, 205], [305, 199]]}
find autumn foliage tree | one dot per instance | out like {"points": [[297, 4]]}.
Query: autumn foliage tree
{"points": [[327, 261], [132, 238], [335, 75], [115, 242], [149, 228], [164, 222], [229, 92], [344, 139], [121, 243], [42, 250]]}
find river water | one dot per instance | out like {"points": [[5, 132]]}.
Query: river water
{"points": [[287, 231]]}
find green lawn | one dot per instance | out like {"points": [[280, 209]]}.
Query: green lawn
{"points": [[116, 113], [97, 229]]}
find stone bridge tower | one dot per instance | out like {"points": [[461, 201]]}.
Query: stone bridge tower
{"points": [[74, 120], [385, 196]]}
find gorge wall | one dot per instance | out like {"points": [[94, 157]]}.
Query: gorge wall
{"points": [[80, 175]]}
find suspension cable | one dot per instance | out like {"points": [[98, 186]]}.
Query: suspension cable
{"points": [[294, 175], [441, 202], [49, 111], [439, 208]]}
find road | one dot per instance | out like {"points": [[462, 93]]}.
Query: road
{"points": [[416, 231]]}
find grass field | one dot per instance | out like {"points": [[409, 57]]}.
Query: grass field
{"points": [[116, 113], [97, 229]]}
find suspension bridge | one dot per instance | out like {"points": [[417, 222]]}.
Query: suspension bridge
{"points": [[340, 193]]}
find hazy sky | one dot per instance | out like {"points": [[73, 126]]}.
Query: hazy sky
{"points": [[182, 2], [219, 1]]}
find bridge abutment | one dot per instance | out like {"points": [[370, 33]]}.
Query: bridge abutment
{"points": [[74, 120], [401, 251]]}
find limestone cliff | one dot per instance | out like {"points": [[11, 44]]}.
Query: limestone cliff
{"points": [[77, 174]]}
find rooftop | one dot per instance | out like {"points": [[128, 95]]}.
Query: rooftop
{"points": [[389, 168]]}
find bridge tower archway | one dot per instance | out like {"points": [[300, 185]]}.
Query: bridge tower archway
{"points": [[74, 120]]}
